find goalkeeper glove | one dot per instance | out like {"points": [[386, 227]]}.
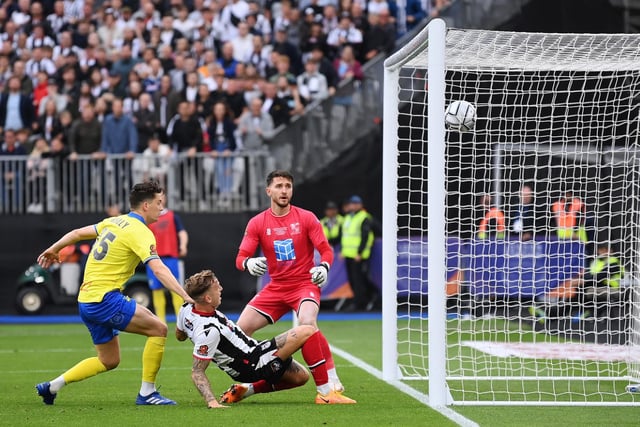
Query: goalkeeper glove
{"points": [[256, 266], [319, 274]]}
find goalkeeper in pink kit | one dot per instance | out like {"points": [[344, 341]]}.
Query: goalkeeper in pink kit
{"points": [[288, 236]]}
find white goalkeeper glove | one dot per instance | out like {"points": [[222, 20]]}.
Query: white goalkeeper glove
{"points": [[256, 266], [319, 274]]}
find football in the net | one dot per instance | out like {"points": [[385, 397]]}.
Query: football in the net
{"points": [[460, 116]]}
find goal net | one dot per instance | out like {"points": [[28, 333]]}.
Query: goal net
{"points": [[516, 245]]}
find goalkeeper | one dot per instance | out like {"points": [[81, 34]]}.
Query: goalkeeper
{"points": [[264, 366], [288, 236]]}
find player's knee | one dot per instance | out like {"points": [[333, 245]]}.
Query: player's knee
{"points": [[110, 362], [305, 331], [161, 329]]}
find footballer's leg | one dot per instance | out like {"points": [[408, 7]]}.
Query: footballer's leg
{"points": [[144, 322]]}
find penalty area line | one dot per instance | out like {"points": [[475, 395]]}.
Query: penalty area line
{"points": [[419, 396]]}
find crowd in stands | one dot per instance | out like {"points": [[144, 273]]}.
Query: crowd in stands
{"points": [[106, 77]]}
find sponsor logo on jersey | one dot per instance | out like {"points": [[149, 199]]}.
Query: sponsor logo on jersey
{"points": [[188, 324], [280, 231], [153, 250]]}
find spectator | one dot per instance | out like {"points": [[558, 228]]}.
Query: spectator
{"points": [[345, 34], [146, 121], [256, 130], [381, 36], [119, 136], [190, 91], [242, 43], [37, 166], [234, 99], [26, 83], [38, 38], [204, 102], [110, 34], [16, 108], [85, 136], [357, 240], [37, 63], [414, 13], [285, 48], [277, 107], [125, 63], [312, 85], [48, 124], [282, 65], [223, 144], [155, 160], [177, 73], [168, 34], [131, 102], [231, 15], [326, 68], [227, 60], [59, 101], [58, 21], [347, 68], [258, 22], [316, 39], [184, 134], [12, 174], [165, 103], [40, 89]]}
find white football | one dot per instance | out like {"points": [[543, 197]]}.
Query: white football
{"points": [[460, 116]]}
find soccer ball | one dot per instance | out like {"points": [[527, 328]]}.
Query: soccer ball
{"points": [[460, 116]]}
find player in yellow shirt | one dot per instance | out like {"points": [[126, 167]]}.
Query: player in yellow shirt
{"points": [[121, 243]]}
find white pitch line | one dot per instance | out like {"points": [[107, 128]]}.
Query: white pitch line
{"points": [[419, 396]]}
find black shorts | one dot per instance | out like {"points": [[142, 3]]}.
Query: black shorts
{"points": [[264, 364]]}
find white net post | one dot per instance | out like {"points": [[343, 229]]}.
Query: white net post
{"points": [[559, 113]]}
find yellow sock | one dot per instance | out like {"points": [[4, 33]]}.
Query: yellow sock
{"points": [[177, 302], [152, 358], [160, 304], [84, 369]]}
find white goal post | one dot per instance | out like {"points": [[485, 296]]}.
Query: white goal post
{"points": [[520, 317]]}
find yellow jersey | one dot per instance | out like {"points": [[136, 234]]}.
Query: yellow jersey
{"points": [[123, 241]]}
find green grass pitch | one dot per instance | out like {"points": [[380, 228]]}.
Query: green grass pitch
{"points": [[33, 353]]}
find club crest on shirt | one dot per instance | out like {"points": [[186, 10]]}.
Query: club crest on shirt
{"points": [[153, 250], [203, 350], [295, 228]]}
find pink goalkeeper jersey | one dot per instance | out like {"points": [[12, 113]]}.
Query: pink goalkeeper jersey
{"points": [[288, 242]]}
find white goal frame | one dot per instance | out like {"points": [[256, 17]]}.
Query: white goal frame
{"points": [[433, 39]]}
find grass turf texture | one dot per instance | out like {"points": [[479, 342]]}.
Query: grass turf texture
{"points": [[33, 353]]}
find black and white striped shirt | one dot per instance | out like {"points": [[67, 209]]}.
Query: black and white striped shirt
{"points": [[218, 339]]}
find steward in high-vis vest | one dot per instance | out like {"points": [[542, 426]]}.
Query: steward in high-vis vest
{"points": [[605, 270], [332, 223], [492, 224], [569, 215], [357, 241]]}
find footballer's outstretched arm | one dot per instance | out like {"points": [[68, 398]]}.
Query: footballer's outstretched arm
{"points": [[201, 381]]}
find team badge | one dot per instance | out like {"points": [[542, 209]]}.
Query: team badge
{"points": [[295, 228], [203, 350], [276, 365]]}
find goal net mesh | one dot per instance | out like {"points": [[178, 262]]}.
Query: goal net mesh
{"points": [[555, 150]]}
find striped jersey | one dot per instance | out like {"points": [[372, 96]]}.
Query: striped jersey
{"points": [[218, 339]]}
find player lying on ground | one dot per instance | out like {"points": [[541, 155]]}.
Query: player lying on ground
{"points": [[263, 366]]}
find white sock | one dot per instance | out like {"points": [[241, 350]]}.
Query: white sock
{"points": [[147, 388], [249, 391], [333, 375], [324, 389], [57, 384]]}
